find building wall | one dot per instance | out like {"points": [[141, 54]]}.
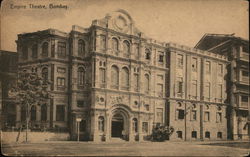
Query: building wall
{"points": [[196, 73]]}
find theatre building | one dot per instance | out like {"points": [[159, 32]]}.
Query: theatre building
{"points": [[119, 82]]}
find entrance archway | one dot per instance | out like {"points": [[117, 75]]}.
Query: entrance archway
{"points": [[117, 125]]}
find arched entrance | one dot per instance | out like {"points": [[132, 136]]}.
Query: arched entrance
{"points": [[117, 125]]}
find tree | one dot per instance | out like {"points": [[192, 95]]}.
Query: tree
{"points": [[31, 89]]}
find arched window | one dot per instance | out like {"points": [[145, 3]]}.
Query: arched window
{"points": [[147, 54], [146, 83], [44, 112], [135, 125], [102, 42], [80, 76], [114, 77], [45, 49], [25, 52], [81, 48], [33, 113], [45, 73], [125, 78], [101, 124], [114, 44], [34, 51], [137, 50], [126, 47]]}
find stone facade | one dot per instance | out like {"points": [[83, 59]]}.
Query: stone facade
{"points": [[237, 50], [197, 107], [119, 82]]}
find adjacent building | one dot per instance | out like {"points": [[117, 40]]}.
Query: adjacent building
{"points": [[8, 77], [197, 99], [110, 80], [237, 50]]}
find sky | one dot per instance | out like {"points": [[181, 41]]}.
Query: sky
{"points": [[179, 21]]}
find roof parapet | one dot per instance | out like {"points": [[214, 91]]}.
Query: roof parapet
{"points": [[196, 51]]}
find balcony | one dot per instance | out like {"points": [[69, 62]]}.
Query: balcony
{"points": [[244, 80], [244, 56], [243, 104]]}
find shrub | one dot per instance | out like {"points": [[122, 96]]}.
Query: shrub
{"points": [[162, 133]]}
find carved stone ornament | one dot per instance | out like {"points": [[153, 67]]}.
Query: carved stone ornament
{"points": [[117, 99], [120, 23]]}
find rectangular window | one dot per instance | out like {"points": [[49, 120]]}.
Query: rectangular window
{"points": [[180, 114], [145, 127], [208, 67], [161, 57], [159, 115], [207, 116], [218, 117], [193, 115], [60, 81], [194, 64], [179, 134], [60, 112], [207, 90], [194, 134], [207, 134], [219, 91], [82, 126], [160, 90], [103, 42], [244, 99], [245, 73], [80, 103], [220, 69], [136, 81], [61, 49], [180, 61], [137, 51], [194, 88], [102, 75], [179, 85], [219, 134]]}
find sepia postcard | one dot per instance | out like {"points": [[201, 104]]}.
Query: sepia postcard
{"points": [[124, 78]]}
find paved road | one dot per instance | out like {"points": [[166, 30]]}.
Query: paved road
{"points": [[129, 149]]}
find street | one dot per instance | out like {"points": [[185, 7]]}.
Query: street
{"points": [[168, 148]]}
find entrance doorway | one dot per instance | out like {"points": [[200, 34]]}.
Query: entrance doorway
{"points": [[117, 125]]}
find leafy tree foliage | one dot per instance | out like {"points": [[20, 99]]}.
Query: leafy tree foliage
{"points": [[31, 89], [162, 133]]}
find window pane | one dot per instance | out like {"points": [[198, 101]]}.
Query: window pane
{"points": [[60, 112], [114, 77]]}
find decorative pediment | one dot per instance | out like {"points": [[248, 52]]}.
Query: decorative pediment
{"points": [[119, 21]]}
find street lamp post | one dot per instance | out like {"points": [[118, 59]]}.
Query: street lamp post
{"points": [[78, 120]]}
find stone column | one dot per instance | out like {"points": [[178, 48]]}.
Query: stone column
{"points": [[107, 128], [38, 113], [131, 135], [140, 128]]}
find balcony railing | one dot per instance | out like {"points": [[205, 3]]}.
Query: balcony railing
{"points": [[243, 104], [244, 56]]}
